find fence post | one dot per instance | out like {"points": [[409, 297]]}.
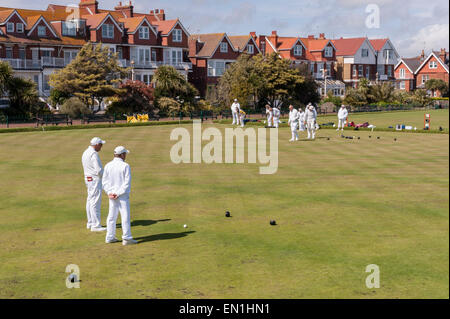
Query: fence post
{"points": [[7, 121]]}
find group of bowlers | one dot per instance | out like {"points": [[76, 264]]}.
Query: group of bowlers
{"points": [[115, 180], [299, 120]]}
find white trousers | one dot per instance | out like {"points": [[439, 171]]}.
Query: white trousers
{"points": [[235, 118], [270, 120], [294, 128], [242, 120], [341, 124], [302, 126], [122, 205], [93, 202], [311, 127], [276, 121]]}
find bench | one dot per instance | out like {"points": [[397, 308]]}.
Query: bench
{"points": [[98, 119], [54, 119]]}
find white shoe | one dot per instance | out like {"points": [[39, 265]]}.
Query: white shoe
{"points": [[129, 242], [296, 139], [291, 140], [88, 226], [98, 229], [337, 130], [112, 241]]}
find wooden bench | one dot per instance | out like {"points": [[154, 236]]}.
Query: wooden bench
{"points": [[98, 118], [54, 119]]}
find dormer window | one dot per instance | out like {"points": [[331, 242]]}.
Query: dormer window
{"points": [[251, 49], [108, 31], [298, 50], [177, 35], [69, 28], [224, 47], [42, 31], [364, 53], [328, 52], [144, 33], [10, 27], [19, 27]]}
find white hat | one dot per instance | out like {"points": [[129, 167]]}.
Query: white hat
{"points": [[235, 100], [120, 150], [96, 141]]}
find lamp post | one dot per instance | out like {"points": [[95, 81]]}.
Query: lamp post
{"points": [[132, 70], [325, 76]]}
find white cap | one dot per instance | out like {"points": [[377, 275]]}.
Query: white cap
{"points": [[120, 150], [96, 141], [235, 100]]}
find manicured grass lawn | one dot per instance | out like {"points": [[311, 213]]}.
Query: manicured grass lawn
{"points": [[340, 205]]}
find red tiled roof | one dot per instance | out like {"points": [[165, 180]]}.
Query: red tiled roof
{"points": [[94, 20], [131, 24], [315, 44], [240, 41], [349, 46], [210, 43], [4, 14], [165, 26], [378, 44]]}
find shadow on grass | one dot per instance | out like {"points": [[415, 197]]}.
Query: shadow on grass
{"points": [[145, 222], [166, 236]]}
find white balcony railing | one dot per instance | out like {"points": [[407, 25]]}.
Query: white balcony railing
{"points": [[155, 64]]}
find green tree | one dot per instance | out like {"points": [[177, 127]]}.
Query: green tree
{"points": [[92, 76], [134, 97], [434, 85], [307, 91], [171, 84], [381, 92], [74, 107]]}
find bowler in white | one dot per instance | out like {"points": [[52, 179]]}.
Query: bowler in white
{"points": [[93, 170], [235, 108], [342, 116], [117, 184]]}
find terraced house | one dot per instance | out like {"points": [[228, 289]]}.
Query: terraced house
{"points": [[38, 42]]}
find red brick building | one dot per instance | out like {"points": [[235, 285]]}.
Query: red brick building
{"points": [[211, 54], [412, 73], [39, 42]]}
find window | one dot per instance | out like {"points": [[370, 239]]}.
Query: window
{"points": [[433, 65], [19, 27], [389, 70], [364, 53], [22, 53], [402, 73], [120, 53], [144, 55], [10, 27], [138, 77], [147, 79], [224, 47], [328, 66], [354, 70], [387, 54], [367, 72], [69, 28], [46, 84], [42, 31], [360, 70], [108, 31], [144, 33], [311, 68], [319, 69], [250, 48], [402, 85], [425, 78], [69, 56], [9, 53], [177, 35], [298, 50], [153, 55], [380, 69], [210, 68], [36, 80], [328, 52], [220, 68]]}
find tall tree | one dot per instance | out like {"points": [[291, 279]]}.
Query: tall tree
{"points": [[434, 85], [92, 76]]}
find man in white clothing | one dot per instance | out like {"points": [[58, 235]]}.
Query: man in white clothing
{"points": [[117, 184], [269, 115], [301, 119], [93, 170], [342, 117], [310, 121], [235, 108], [293, 122], [276, 116]]}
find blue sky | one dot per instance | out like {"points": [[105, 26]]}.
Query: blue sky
{"points": [[411, 25]]}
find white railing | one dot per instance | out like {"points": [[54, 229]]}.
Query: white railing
{"points": [[23, 64], [53, 62], [155, 64]]}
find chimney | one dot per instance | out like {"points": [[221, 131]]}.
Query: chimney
{"points": [[126, 9], [158, 15], [311, 37], [442, 55], [274, 38], [88, 6], [253, 35], [422, 55], [322, 36]]}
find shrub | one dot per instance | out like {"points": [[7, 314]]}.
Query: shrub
{"points": [[75, 108]]}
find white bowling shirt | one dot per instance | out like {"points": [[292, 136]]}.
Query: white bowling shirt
{"points": [[117, 177], [92, 165]]}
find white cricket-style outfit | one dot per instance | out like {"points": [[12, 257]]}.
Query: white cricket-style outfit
{"points": [[93, 171], [235, 108], [342, 116], [310, 119], [293, 122], [301, 120], [276, 116], [269, 118], [117, 180]]}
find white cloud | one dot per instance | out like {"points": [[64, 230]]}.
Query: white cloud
{"points": [[431, 37]]}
